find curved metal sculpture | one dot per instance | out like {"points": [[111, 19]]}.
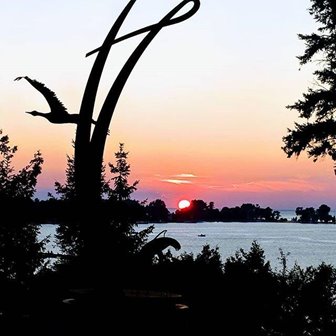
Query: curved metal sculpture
{"points": [[156, 247], [90, 145], [89, 150]]}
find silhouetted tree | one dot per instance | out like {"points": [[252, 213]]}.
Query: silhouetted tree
{"points": [[196, 211], [307, 298], [294, 302], [19, 185], [67, 210], [115, 208], [310, 215], [20, 249], [213, 214], [318, 134], [249, 212], [307, 215], [251, 290], [157, 211], [323, 213], [121, 189], [67, 191]]}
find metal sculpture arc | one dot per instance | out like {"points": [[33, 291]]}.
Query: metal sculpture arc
{"points": [[90, 144], [89, 149]]}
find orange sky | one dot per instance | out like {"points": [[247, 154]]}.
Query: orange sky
{"points": [[206, 100]]}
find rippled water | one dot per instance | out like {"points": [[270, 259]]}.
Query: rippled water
{"points": [[308, 244]]}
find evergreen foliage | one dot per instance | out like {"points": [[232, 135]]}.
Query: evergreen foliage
{"points": [[317, 135], [17, 185], [20, 249], [121, 189], [115, 215]]}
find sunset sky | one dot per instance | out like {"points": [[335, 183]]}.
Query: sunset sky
{"points": [[203, 113]]}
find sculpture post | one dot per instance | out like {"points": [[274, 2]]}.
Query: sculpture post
{"points": [[89, 151]]}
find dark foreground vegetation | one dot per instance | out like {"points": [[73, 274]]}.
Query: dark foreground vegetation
{"points": [[110, 279], [185, 294], [125, 283]]}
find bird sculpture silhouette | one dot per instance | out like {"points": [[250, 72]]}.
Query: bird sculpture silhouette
{"points": [[58, 113], [157, 245]]}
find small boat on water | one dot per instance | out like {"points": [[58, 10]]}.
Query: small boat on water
{"points": [[201, 235]]}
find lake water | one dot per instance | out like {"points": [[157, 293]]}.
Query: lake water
{"points": [[308, 244], [287, 214]]}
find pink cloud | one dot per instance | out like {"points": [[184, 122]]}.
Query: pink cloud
{"points": [[174, 181], [185, 175]]}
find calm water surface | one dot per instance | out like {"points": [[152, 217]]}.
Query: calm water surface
{"points": [[308, 244]]}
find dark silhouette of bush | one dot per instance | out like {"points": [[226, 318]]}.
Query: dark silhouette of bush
{"points": [[20, 250], [244, 296]]}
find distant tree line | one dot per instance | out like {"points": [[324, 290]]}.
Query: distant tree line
{"points": [[20, 227], [247, 212], [311, 215], [57, 210], [201, 211], [17, 189]]}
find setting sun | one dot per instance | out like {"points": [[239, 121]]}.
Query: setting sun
{"points": [[183, 204]]}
